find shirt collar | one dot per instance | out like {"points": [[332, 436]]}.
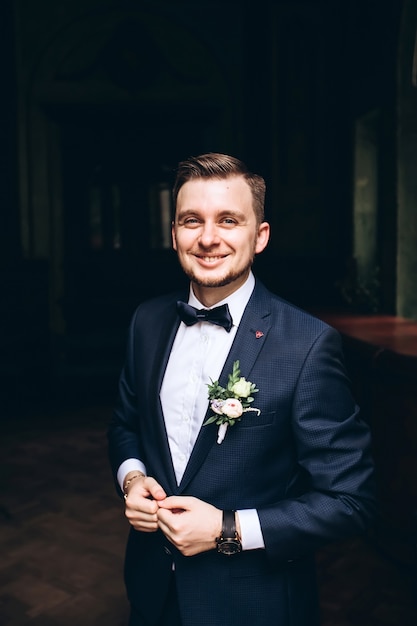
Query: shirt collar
{"points": [[237, 301]]}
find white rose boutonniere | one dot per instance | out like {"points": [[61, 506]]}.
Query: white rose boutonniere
{"points": [[229, 404]]}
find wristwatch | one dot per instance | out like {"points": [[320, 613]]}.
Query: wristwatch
{"points": [[229, 541]]}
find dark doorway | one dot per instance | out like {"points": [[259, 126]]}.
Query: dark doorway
{"points": [[117, 175]]}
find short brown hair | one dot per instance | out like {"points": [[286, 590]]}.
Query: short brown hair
{"points": [[220, 166]]}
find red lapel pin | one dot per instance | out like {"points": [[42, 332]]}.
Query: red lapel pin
{"points": [[259, 334]]}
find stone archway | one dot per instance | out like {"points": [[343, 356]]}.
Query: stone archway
{"points": [[127, 71]]}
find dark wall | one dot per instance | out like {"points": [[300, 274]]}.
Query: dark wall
{"points": [[9, 231], [308, 70]]}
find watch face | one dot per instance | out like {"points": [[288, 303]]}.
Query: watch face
{"points": [[229, 546]]}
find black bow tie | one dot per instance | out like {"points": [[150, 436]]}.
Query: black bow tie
{"points": [[220, 315]]}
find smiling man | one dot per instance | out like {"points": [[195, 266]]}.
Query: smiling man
{"points": [[227, 501], [216, 234]]}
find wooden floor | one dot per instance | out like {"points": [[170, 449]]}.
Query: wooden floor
{"points": [[62, 537]]}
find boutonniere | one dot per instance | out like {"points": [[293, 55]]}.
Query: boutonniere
{"points": [[229, 404]]}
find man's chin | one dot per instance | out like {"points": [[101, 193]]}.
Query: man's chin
{"points": [[215, 282], [211, 283]]}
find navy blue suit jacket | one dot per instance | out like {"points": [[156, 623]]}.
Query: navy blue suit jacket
{"points": [[304, 463]]}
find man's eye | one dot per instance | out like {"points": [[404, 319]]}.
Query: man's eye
{"points": [[191, 221], [229, 221]]}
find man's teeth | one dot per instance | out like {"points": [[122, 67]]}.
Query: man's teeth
{"points": [[211, 259]]}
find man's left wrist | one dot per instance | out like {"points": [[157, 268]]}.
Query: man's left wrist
{"points": [[228, 542]]}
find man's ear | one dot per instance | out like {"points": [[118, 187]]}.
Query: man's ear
{"points": [[262, 237], [174, 240]]}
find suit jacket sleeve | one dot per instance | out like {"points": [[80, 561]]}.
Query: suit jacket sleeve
{"points": [[122, 436], [331, 494]]}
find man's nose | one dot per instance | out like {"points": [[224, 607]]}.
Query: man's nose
{"points": [[209, 235]]}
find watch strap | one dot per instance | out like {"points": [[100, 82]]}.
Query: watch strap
{"points": [[229, 525]]}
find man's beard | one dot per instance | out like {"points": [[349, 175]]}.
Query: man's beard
{"points": [[218, 282]]}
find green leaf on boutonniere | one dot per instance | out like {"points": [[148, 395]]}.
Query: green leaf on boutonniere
{"points": [[229, 404]]}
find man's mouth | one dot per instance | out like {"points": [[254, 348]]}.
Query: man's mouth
{"points": [[211, 259]]}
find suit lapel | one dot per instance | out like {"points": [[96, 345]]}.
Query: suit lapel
{"points": [[250, 337], [163, 350]]}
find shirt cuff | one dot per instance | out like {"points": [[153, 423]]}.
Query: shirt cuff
{"points": [[250, 530], [130, 465]]}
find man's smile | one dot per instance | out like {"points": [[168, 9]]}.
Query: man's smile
{"points": [[211, 259]]}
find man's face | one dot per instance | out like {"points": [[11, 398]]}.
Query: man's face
{"points": [[216, 235]]}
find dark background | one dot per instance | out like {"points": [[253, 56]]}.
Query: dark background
{"points": [[105, 97]]}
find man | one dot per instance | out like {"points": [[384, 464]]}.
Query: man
{"points": [[223, 531]]}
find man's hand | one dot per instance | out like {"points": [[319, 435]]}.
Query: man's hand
{"points": [[189, 523], [141, 499]]}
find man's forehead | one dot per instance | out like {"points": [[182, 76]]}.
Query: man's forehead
{"points": [[215, 186]]}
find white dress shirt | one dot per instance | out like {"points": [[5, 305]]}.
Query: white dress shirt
{"points": [[197, 358]]}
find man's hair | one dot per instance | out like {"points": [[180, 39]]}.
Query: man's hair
{"points": [[220, 166]]}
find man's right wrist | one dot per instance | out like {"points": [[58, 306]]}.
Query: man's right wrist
{"points": [[130, 478]]}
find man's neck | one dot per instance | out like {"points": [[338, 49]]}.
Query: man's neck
{"points": [[210, 296]]}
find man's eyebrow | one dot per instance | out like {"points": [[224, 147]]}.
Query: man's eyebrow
{"points": [[219, 213], [186, 211]]}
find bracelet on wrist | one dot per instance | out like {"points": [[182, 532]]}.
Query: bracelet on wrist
{"points": [[129, 480]]}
